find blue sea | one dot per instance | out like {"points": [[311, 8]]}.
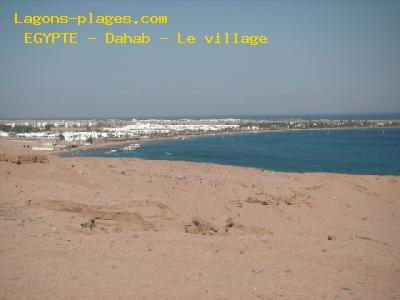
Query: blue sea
{"points": [[358, 151]]}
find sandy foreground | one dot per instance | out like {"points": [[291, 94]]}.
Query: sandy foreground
{"points": [[177, 230]]}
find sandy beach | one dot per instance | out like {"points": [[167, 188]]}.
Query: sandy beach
{"points": [[178, 230]]}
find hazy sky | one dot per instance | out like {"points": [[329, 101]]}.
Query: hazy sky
{"points": [[322, 57]]}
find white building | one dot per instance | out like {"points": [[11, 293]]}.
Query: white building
{"points": [[38, 135], [81, 136], [150, 128]]}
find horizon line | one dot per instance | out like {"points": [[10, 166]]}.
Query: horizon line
{"points": [[207, 116]]}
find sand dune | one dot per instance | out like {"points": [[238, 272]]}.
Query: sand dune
{"points": [[177, 230]]}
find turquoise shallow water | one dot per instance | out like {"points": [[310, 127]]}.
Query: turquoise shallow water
{"points": [[359, 151]]}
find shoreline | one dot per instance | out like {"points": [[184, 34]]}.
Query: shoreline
{"points": [[76, 153], [177, 137]]}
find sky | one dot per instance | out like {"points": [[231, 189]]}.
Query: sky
{"points": [[322, 57]]}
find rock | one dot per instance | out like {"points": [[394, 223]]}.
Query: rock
{"points": [[229, 223], [258, 270], [91, 223], [331, 237], [200, 226], [23, 159], [191, 229]]}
